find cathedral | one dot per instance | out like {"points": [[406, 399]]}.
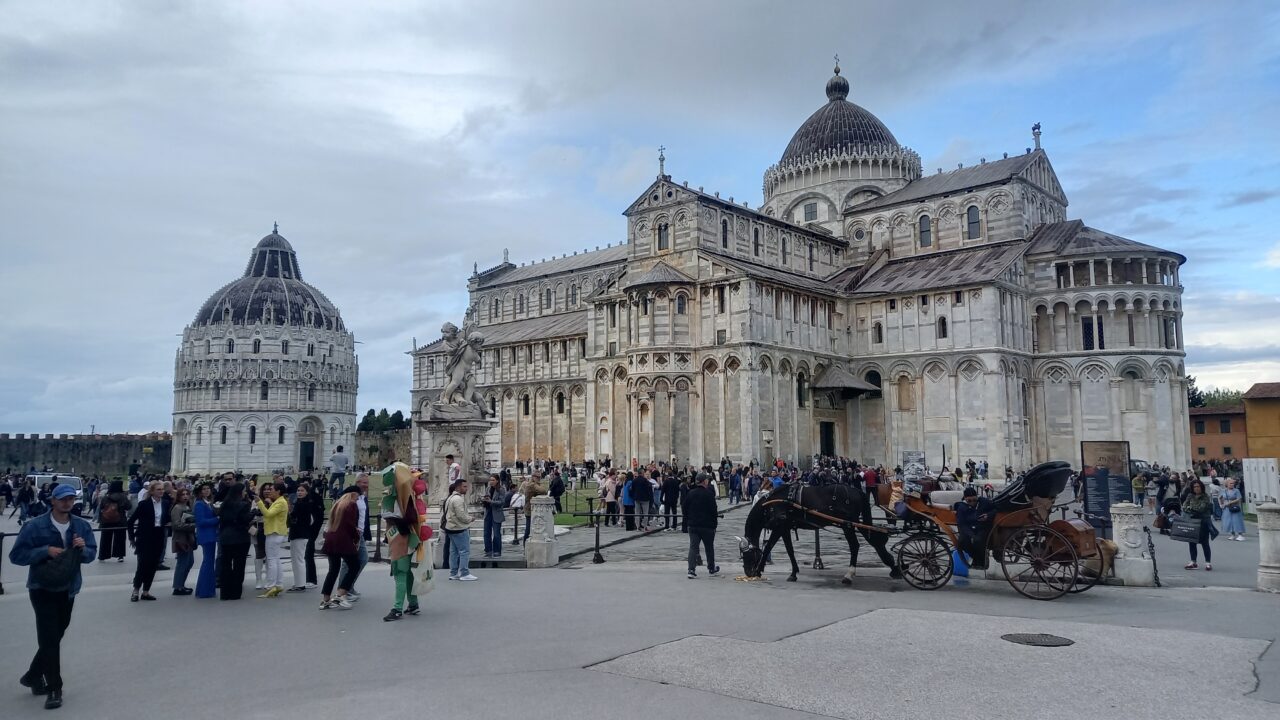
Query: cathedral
{"points": [[865, 308], [266, 376]]}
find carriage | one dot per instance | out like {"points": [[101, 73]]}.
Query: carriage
{"points": [[1041, 558]]}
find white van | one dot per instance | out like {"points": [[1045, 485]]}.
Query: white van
{"points": [[40, 480]]}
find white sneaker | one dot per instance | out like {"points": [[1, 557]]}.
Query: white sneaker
{"points": [[310, 586], [453, 577], [341, 604], [467, 577], [259, 586]]}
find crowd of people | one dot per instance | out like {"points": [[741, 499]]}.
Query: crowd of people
{"points": [[1181, 495]]}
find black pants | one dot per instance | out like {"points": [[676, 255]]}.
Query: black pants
{"points": [[706, 536], [53, 615], [150, 544], [629, 516], [668, 516], [557, 499], [310, 560], [111, 543], [976, 547], [611, 513], [231, 569], [335, 569]]}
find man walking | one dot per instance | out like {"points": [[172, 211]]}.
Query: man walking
{"points": [[700, 512], [53, 545], [457, 524]]}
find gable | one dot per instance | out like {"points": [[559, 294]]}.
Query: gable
{"points": [[1039, 172], [661, 193]]}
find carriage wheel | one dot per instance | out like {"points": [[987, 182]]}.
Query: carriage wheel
{"points": [[1084, 580], [1039, 563], [925, 561]]}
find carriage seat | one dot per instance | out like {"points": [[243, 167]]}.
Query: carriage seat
{"points": [[945, 498]]}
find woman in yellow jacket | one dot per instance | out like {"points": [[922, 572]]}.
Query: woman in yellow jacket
{"points": [[275, 526]]}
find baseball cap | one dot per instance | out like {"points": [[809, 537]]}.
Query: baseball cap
{"points": [[63, 491]]}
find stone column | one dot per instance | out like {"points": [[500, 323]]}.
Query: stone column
{"points": [[1269, 547], [540, 549], [1133, 564]]}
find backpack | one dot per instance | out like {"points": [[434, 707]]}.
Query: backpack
{"points": [[110, 513]]}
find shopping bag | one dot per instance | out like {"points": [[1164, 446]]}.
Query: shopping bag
{"points": [[424, 578], [1186, 530], [959, 565]]}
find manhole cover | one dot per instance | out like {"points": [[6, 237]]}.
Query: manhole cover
{"points": [[1037, 639]]}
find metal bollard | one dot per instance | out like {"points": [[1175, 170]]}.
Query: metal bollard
{"points": [[377, 542], [1, 562], [597, 558]]}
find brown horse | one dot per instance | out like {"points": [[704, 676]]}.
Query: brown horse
{"points": [[816, 507]]}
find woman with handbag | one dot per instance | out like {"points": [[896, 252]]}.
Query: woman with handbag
{"points": [[1231, 501], [274, 529], [147, 527], [113, 512], [183, 526], [1197, 507]]}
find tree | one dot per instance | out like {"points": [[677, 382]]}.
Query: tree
{"points": [[383, 422], [398, 422], [1195, 398], [1222, 397], [367, 423]]}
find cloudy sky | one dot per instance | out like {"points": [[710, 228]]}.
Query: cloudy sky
{"points": [[145, 147]]}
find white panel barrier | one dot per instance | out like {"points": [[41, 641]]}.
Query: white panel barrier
{"points": [[1261, 482]]}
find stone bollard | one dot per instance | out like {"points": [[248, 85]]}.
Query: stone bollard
{"points": [[540, 549], [1133, 563], [1269, 547]]}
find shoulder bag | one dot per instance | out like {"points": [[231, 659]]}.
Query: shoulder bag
{"points": [[59, 573]]}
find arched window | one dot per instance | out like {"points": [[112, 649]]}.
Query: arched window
{"points": [[217, 391], [524, 405], [785, 255], [926, 231], [873, 378], [664, 236], [724, 234], [257, 346], [548, 300], [284, 347], [573, 295], [680, 304], [942, 328], [974, 222], [493, 405], [226, 314], [1132, 390], [262, 390], [311, 349], [231, 345], [560, 403], [280, 435], [222, 435], [253, 435], [497, 309], [877, 333], [333, 436], [208, 347], [311, 392], [330, 349], [801, 390], [199, 436]]}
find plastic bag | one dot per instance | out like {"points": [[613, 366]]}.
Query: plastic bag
{"points": [[959, 563]]}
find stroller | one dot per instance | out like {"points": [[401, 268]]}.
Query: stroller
{"points": [[1171, 509]]}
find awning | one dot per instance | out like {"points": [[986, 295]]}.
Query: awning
{"points": [[837, 378]]}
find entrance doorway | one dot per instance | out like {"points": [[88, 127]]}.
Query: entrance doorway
{"points": [[827, 438], [306, 455]]}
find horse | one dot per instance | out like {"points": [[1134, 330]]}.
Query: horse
{"points": [[818, 507]]}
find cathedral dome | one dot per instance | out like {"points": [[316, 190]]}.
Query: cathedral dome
{"points": [[271, 292], [838, 126]]}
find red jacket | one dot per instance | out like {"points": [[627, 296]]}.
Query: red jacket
{"points": [[344, 540]]}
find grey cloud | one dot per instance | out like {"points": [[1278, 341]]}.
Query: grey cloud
{"points": [[1250, 197]]}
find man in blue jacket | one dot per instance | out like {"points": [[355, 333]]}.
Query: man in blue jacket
{"points": [[43, 540]]}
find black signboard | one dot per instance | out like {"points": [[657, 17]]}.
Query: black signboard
{"points": [[1097, 500]]}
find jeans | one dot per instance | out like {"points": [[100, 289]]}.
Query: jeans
{"points": [[1139, 498], [337, 480], [336, 562], [460, 553], [706, 536], [492, 535], [350, 573], [53, 615], [186, 560]]}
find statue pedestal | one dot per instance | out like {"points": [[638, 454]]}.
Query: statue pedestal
{"points": [[1134, 565], [464, 440], [540, 550], [1269, 547]]}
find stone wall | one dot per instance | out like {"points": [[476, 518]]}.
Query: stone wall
{"points": [[87, 454], [380, 449]]}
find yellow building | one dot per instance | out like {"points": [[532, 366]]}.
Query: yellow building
{"points": [[1262, 408]]}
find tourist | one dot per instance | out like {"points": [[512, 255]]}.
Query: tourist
{"points": [[670, 502], [1139, 485], [341, 547], [454, 469], [700, 510], [517, 506], [207, 539], [306, 518], [494, 500], [147, 525], [26, 496], [1196, 507], [531, 489], [234, 520], [113, 514], [362, 544], [53, 581], [628, 503], [609, 494], [182, 525], [338, 464], [275, 521], [641, 495], [556, 489], [457, 525], [1231, 501]]}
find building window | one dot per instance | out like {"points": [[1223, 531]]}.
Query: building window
{"points": [[222, 435], [253, 435], [811, 256], [217, 391], [613, 315], [1199, 427], [560, 403], [957, 298], [496, 312], [680, 305], [493, 406], [873, 378], [546, 352], [859, 234], [877, 333], [1091, 333], [257, 346], [801, 388], [284, 347], [528, 354], [755, 243], [549, 300], [720, 299], [893, 304], [311, 349], [644, 306], [906, 394], [311, 392], [974, 225], [208, 347], [524, 405], [926, 232], [724, 234], [721, 337], [613, 349], [582, 347], [786, 255], [664, 237], [199, 436], [1133, 390], [513, 357], [262, 390], [1224, 426], [573, 295], [810, 211], [942, 328], [564, 350], [1200, 451], [280, 435], [520, 303], [231, 345], [1226, 451]]}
